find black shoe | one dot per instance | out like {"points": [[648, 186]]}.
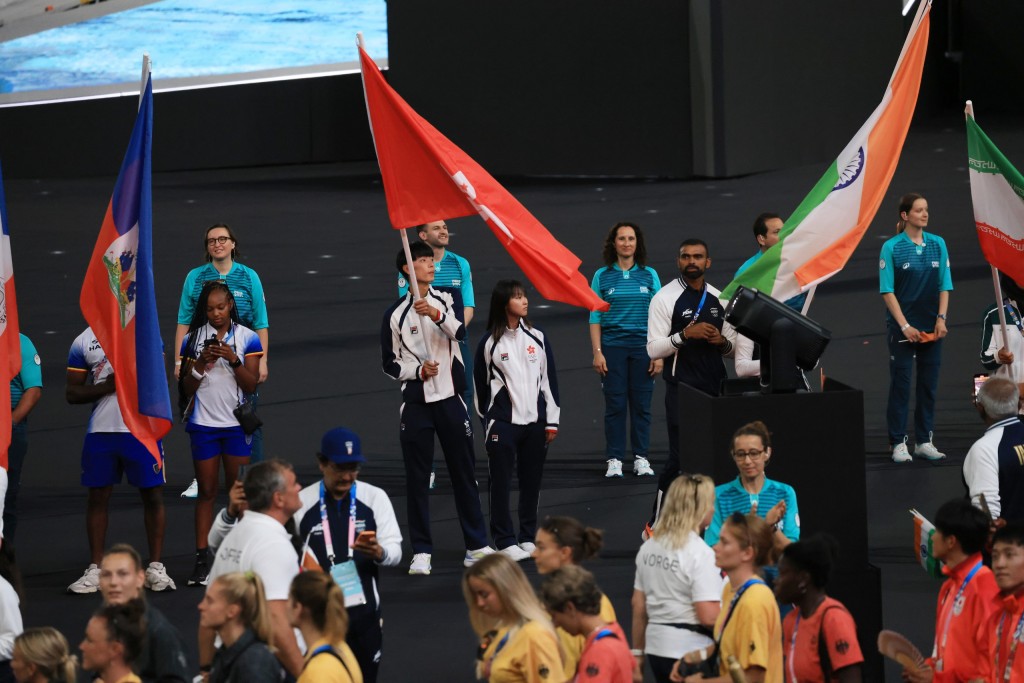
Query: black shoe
{"points": [[201, 570]]}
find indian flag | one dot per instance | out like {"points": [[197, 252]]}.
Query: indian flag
{"points": [[923, 532], [997, 192], [818, 239]]}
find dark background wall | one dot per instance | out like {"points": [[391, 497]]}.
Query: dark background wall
{"points": [[663, 88]]}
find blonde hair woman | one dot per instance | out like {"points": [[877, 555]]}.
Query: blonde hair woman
{"points": [[42, 655], [517, 639], [235, 607], [317, 608], [677, 590]]}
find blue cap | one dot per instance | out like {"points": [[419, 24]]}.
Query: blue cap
{"points": [[341, 446]]}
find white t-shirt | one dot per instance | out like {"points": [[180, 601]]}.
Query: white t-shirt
{"points": [[10, 619], [672, 580], [218, 394], [260, 544], [87, 356]]}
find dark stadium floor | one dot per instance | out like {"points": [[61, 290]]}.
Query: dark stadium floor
{"points": [[319, 238]]}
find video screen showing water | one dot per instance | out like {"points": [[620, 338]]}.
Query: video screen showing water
{"points": [[190, 41]]}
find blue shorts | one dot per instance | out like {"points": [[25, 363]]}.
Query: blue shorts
{"points": [[106, 456], [209, 442]]}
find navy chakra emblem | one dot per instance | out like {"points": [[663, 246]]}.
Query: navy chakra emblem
{"points": [[850, 171]]}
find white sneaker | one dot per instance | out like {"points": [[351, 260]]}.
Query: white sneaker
{"points": [[928, 451], [473, 555], [641, 467], [157, 579], [900, 452], [420, 565], [89, 583], [614, 468], [192, 491], [515, 553], [528, 547], [433, 479]]}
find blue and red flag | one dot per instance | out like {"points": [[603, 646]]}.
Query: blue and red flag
{"points": [[118, 297], [10, 344]]}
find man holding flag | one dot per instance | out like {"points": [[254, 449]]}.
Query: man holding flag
{"points": [[123, 353]]}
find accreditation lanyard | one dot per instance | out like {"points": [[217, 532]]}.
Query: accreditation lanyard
{"points": [[950, 611], [792, 648], [1013, 646], [327, 526], [700, 306], [1014, 316], [732, 605]]}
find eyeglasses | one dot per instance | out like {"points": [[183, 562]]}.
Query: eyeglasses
{"points": [[217, 240], [740, 456]]}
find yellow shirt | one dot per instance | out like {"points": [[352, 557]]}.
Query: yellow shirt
{"points": [[130, 678], [325, 668], [530, 655], [572, 646], [754, 633]]}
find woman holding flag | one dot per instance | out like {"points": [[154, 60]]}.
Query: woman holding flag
{"points": [[221, 361], [914, 281]]}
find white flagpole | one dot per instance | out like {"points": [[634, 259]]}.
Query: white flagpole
{"points": [[146, 68], [809, 299], [999, 306]]}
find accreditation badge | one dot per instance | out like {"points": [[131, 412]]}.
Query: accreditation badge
{"points": [[347, 578]]}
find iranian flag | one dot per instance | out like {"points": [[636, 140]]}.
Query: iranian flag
{"points": [[997, 192], [820, 236]]}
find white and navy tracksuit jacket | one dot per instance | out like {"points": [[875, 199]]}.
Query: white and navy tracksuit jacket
{"points": [[407, 340], [515, 379]]}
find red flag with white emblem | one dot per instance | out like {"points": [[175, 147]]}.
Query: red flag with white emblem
{"points": [[427, 178]]}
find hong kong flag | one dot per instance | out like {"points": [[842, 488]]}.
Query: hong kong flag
{"points": [[427, 178], [10, 345], [118, 297]]}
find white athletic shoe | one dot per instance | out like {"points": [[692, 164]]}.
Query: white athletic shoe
{"points": [[928, 451], [157, 579], [900, 452], [420, 565], [515, 553], [89, 583], [642, 467], [614, 468], [528, 547], [192, 491], [433, 479], [473, 555]]}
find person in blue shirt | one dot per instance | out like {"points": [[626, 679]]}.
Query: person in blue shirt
{"points": [[767, 227], [914, 280], [619, 340], [754, 493], [26, 390], [221, 246]]}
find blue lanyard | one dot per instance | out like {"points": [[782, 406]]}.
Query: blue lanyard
{"points": [[732, 604], [1013, 646], [949, 613], [700, 306], [329, 545], [1013, 316]]}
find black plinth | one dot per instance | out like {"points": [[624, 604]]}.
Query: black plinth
{"points": [[818, 449]]}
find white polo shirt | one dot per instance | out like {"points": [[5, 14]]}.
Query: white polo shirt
{"points": [[260, 544]]}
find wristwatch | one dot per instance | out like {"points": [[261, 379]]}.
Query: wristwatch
{"points": [[237, 362], [943, 316]]}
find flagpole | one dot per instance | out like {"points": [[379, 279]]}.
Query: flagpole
{"points": [[999, 306], [146, 68], [810, 298]]}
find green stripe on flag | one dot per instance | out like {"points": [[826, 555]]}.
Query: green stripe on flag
{"points": [[985, 157], [763, 274]]}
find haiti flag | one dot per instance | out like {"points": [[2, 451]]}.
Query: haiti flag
{"points": [[118, 297]]}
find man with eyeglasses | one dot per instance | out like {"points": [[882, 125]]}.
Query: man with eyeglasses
{"points": [[351, 529]]}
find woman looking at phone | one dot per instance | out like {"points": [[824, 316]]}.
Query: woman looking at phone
{"points": [[221, 364]]}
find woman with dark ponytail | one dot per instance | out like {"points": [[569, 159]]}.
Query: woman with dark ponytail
{"points": [[517, 398], [113, 641], [913, 274], [235, 607], [220, 365], [317, 608]]}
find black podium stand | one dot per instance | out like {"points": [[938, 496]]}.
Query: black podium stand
{"points": [[818, 449]]}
